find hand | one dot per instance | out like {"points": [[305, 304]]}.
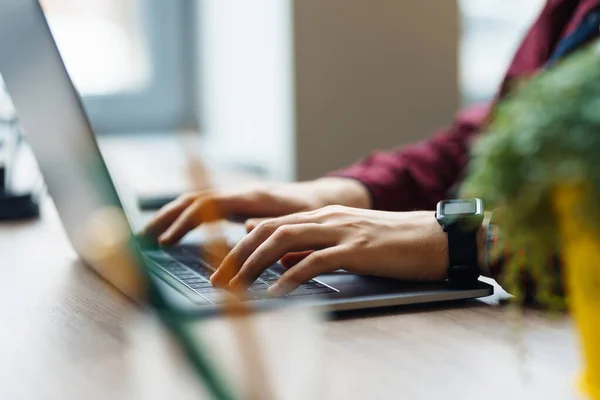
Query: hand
{"points": [[409, 246], [176, 219]]}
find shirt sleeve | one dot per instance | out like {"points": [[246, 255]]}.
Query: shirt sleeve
{"points": [[420, 175]]}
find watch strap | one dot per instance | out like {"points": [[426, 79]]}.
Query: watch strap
{"points": [[462, 254]]}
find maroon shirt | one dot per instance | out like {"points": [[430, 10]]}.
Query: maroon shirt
{"points": [[418, 176]]}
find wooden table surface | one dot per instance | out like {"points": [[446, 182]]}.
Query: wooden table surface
{"points": [[65, 334]]}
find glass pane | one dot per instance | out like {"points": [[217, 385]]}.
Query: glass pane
{"points": [[492, 30], [102, 43]]}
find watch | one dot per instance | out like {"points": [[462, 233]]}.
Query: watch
{"points": [[461, 219]]}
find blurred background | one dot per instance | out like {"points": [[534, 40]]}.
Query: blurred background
{"points": [[287, 89]]}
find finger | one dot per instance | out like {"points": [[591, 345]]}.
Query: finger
{"points": [[166, 215], [316, 263], [286, 239], [235, 258], [203, 210], [291, 259], [314, 216], [289, 219], [253, 223], [245, 247]]}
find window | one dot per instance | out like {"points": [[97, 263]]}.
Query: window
{"points": [[492, 30], [129, 59]]}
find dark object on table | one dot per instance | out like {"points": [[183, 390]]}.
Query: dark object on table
{"points": [[16, 206], [2, 177]]}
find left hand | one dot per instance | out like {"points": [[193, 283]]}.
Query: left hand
{"points": [[408, 245]]}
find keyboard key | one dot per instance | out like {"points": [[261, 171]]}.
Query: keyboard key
{"points": [[157, 255], [195, 279], [196, 251], [186, 274], [200, 285], [299, 292], [178, 272], [260, 293], [209, 290], [203, 273], [267, 273], [170, 265], [258, 285], [197, 263]]}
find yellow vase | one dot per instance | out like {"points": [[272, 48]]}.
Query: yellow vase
{"points": [[580, 249]]}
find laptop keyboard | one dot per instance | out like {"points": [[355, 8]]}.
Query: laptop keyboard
{"points": [[185, 264]]}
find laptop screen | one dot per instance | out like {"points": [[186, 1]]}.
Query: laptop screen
{"points": [[54, 122]]}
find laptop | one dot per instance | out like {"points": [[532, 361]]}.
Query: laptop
{"points": [[60, 135]]}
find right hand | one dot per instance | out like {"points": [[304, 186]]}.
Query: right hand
{"points": [[179, 217]]}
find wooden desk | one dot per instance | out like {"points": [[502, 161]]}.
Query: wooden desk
{"points": [[64, 334]]}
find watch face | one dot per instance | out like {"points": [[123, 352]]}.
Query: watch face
{"points": [[459, 209]]}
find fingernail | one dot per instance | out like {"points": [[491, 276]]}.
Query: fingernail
{"points": [[218, 278], [214, 279], [164, 238], [250, 224], [236, 284]]}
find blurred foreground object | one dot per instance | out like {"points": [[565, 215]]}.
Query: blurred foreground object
{"points": [[107, 247], [539, 164], [581, 254], [289, 341]]}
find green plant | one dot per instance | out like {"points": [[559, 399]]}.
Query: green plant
{"points": [[545, 134]]}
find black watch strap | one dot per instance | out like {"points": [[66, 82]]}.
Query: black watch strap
{"points": [[462, 255]]}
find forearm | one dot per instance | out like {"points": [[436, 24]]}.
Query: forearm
{"points": [[342, 191]]}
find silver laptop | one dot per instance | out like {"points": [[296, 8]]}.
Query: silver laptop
{"points": [[78, 181]]}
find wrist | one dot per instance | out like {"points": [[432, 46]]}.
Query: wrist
{"points": [[463, 222], [342, 191]]}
